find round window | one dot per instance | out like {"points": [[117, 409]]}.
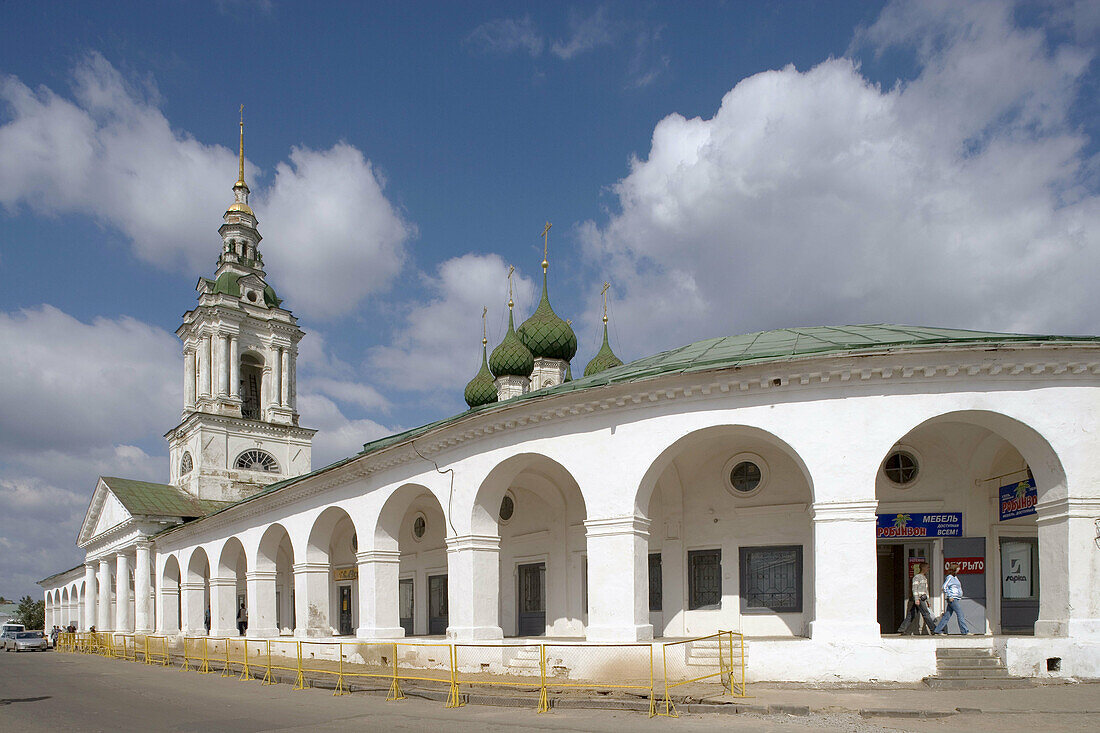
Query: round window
{"points": [[901, 467], [507, 507], [745, 474], [420, 526], [745, 477]]}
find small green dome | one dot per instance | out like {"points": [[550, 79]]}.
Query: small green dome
{"points": [[546, 335], [481, 390], [229, 284], [511, 357], [604, 359]]}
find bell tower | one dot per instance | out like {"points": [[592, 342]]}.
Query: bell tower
{"points": [[239, 428]]}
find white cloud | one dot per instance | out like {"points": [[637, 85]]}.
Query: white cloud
{"points": [[586, 33], [819, 197], [110, 153], [428, 353], [505, 35], [338, 436]]}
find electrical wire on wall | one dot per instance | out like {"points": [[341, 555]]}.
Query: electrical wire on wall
{"points": [[450, 491]]}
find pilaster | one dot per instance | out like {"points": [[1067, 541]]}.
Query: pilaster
{"points": [[618, 585], [473, 587], [379, 612]]}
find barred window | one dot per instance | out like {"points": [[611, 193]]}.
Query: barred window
{"points": [[771, 579], [186, 464], [655, 584], [257, 460], [704, 579]]}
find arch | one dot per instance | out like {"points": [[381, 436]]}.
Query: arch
{"points": [[256, 459], [665, 457], [324, 607], [230, 558], [171, 571], [387, 529], [251, 387], [274, 562], [198, 566], [320, 535], [484, 514], [274, 539], [170, 596]]}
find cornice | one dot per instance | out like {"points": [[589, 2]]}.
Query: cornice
{"points": [[896, 366], [240, 425]]}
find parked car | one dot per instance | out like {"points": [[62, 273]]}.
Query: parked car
{"points": [[21, 641], [8, 631]]}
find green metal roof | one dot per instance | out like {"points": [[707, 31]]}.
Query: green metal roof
{"points": [[511, 357], [762, 347], [604, 359], [481, 390], [144, 497]]}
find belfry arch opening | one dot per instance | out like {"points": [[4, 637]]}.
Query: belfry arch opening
{"points": [[252, 385], [730, 539], [962, 489]]}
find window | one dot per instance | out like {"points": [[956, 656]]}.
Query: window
{"points": [[745, 474], [655, 589], [901, 467], [186, 464], [257, 460], [507, 507], [704, 580], [420, 526], [771, 579]]}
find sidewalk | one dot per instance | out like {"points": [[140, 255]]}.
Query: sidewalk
{"points": [[910, 702]]}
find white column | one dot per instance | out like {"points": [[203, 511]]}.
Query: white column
{"points": [[103, 617], [379, 612], [122, 592], [221, 372], [473, 587], [234, 368], [284, 381], [168, 617], [89, 596], [311, 599], [293, 380], [189, 379], [276, 376], [261, 604], [223, 607], [204, 367], [142, 616], [1069, 563], [194, 606], [618, 579], [845, 572]]}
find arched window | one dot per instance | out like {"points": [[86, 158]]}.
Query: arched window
{"points": [[186, 464], [255, 459], [251, 387]]}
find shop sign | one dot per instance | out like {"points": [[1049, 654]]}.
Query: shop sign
{"points": [[906, 525], [347, 573], [967, 565], [1018, 499]]}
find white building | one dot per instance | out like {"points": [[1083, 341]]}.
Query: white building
{"points": [[778, 483]]}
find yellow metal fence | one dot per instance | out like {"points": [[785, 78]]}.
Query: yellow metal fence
{"points": [[545, 671]]}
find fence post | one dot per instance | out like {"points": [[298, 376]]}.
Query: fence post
{"points": [[670, 709], [246, 673], [299, 682], [454, 699], [395, 688], [186, 660], [227, 671], [340, 689], [267, 676], [544, 703], [652, 698], [204, 668]]}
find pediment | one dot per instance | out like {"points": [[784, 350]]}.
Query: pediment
{"points": [[105, 512]]}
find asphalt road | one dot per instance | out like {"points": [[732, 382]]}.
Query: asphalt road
{"points": [[73, 692]]}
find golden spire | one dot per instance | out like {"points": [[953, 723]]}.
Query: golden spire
{"points": [[240, 170], [484, 329], [545, 237], [603, 292], [511, 269]]}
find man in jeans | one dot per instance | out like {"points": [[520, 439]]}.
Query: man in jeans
{"points": [[919, 602], [952, 594]]}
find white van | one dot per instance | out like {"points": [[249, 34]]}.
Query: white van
{"points": [[10, 630]]}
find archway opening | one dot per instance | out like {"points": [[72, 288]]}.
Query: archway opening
{"points": [[730, 538], [229, 605], [276, 555], [170, 597], [412, 523], [251, 385], [196, 595], [331, 589]]}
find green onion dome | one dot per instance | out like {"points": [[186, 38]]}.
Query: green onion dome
{"points": [[511, 357], [481, 390], [604, 359], [546, 335]]}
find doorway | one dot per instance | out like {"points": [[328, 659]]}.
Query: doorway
{"points": [[345, 610], [532, 600], [437, 604], [891, 587], [405, 604], [1019, 584]]}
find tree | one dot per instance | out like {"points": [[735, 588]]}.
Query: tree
{"points": [[31, 613]]}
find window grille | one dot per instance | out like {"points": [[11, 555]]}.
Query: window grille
{"points": [[771, 579], [704, 579]]}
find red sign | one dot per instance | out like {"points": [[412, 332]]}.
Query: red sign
{"points": [[967, 565]]}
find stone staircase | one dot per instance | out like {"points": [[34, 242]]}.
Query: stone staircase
{"points": [[704, 653], [971, 667], [525, 662]]}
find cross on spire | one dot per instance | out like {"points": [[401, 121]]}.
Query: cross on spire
{"points": [[240, 169], [511, 269], [606, 287], [484, 328], [545, 238]]}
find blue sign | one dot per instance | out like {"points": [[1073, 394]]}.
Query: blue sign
{"points": [[1018, 499], [914, 525]]}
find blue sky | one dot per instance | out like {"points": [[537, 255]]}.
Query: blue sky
{"points": [[728, 167]]}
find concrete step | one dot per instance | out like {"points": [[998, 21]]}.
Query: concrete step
{"points": [[971, 674], [964, 651], [526, 658], [939, 683], [969, 663]]}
